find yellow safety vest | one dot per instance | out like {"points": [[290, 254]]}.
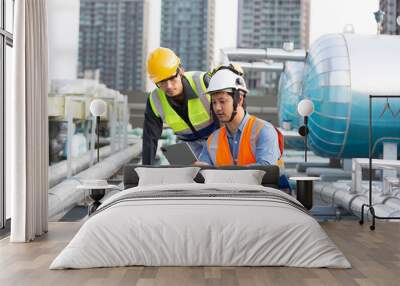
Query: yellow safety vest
{"points": [[198, 107]]}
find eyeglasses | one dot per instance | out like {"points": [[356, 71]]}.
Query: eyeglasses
{"points": [[165, 81]]}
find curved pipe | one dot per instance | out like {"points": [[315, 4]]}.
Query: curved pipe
{"points": [[340, 194], [262, 54], [261, 66], [59, 171], [64, 196]]}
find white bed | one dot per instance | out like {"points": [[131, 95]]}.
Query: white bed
{"points": [[201, 224]]}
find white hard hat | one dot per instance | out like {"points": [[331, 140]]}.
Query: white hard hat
{"points": [[225, 79]]}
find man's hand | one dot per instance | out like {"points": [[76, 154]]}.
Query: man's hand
{"points": [[200, 164]]}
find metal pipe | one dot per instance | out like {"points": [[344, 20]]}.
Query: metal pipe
{"points": [[340, 194], [98, 137], [251, 55], [305, 137], [64, 196], [126, 121], [69, 142], [298, 55], [59, 171], [92, 139], [112, 128], [245, 54], [370, 149], [261, 66]]}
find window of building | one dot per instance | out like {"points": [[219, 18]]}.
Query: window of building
{"points": [[6, 43]]}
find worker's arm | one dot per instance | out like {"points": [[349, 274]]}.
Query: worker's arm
{"points": [[267, 146], [152, 129]]}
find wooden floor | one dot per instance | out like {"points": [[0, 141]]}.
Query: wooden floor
{"points": [[374, 255]]}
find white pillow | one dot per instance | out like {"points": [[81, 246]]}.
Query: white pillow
{"points": [[165, 176], [249, 177]]}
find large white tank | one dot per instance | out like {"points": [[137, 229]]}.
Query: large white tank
{"points": [[341, 71], [289, 92]]}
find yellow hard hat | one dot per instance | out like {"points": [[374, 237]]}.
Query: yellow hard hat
{"points": [[162, 63]]}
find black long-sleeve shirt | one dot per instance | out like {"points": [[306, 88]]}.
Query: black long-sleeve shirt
{"points": [[153, 125]]}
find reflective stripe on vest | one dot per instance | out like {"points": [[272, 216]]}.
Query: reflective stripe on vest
{"points": [[198, 108], [281, 144], [218, 145], [197, 84]]}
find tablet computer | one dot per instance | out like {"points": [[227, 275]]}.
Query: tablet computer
{"points": [[179, 154]]}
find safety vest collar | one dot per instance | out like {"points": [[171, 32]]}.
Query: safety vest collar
{"points": [[198, 88], [241, 125], [197, 101], [188, 90], [218, 145], [214, 146]]}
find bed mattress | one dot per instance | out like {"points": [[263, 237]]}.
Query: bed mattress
{"points": [[201, 225]]}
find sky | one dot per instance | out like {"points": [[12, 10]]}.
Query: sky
{"points": [[330, 16]]}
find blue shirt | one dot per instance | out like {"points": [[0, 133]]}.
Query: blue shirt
{"points": [[267, 146]]}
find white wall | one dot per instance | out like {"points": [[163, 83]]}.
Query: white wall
{"points": [[226, 21], [63, 33], [330, 16], [152, 35]]}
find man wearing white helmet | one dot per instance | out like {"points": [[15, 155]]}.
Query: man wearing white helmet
{"points": [[243, 139]]}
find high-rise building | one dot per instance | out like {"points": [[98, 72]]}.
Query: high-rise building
{"points": [[268, 24], [184, 29], [392, 11], [115, 36], [113, 41]]}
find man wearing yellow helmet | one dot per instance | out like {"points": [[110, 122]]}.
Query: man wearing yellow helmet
{"points": [[179, 101]]}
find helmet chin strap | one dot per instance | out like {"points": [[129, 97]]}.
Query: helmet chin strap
{"points": [[235, 96], [234, 112]]}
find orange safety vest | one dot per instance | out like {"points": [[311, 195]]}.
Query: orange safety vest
{"points": [[218, 145]]}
